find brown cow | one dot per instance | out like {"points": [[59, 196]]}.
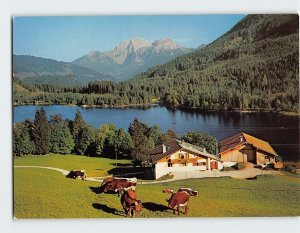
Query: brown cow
{"points": [[180, 199], [77, 174], [117, 185], [130, 203], [107, 179], [189, 191], [168, 191]]}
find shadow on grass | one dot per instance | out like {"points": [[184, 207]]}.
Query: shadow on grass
{"points": [[108, 209], [155, 207], [96, 190], [100, 190], [122, 164]]}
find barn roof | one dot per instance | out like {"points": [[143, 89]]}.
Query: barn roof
{"points": [[235, 140], [175, 145]]}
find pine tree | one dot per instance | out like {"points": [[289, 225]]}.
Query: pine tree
{"points": [[84, 141], [203, 140], [121, 143], [77, 126], [140, 151], [41, 132], [22, 145], [61, 138]]}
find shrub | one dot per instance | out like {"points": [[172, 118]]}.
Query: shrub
{"points": [[290, 169]]}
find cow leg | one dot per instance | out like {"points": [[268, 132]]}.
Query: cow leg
{"points": [[132, 213], [178, 210], [186, 209], [173, 211]]}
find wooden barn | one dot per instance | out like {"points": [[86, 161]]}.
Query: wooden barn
{"points": [[243, 147], [178, 156]]}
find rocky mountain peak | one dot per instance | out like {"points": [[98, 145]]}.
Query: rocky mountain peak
{"points": [[166, 44]]}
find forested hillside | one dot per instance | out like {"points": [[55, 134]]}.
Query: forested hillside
{"points": [[36, 70], [255, 66]]}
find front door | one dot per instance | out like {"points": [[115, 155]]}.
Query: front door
{"points": [[213, 165]]}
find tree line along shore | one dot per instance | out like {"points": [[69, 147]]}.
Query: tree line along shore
{"points": [[42, 136]]}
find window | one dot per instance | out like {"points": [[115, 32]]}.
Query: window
{"points": [[182, 157], [202, 164], [169, 163], [267, 157]]}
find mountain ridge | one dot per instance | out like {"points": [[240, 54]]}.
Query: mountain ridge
{"points": [[44, 70], [132, 56]]}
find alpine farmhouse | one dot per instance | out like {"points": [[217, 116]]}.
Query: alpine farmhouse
{"points": [[243, 147], [179, 156]]}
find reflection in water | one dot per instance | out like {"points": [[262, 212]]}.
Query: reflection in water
{"points": [[281, 131]]}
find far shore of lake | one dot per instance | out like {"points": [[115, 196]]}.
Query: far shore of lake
{"points": [[157, 103]]}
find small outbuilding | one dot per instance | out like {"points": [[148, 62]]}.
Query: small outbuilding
{"points": [[243, 147], [179, 156]]}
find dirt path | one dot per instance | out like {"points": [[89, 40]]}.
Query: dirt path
{"points": [[64, 172]]}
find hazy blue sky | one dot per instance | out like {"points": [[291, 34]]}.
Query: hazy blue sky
{"points": [[67, 38]]}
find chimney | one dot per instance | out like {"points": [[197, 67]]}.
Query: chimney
{"points": [[241, 139], [164, 148], [204, 150]]}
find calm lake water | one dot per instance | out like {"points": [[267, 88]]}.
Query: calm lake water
{"points": [[282, 132]]}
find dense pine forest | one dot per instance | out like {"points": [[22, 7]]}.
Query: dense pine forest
{"points": [[253, 66]]}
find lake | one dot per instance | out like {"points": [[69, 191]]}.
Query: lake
{"points": [[281, 131]]}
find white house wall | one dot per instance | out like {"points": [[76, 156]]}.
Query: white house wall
{"points": [[162, 168]]}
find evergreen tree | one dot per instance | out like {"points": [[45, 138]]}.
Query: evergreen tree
{"points": [[22, 145], [155, 133], [121, 143], [83, 141], [77, 125], [41, 132], [136, 124], [170, 134], [61, 139], [203, 140], [140, 151], [104, 139]]}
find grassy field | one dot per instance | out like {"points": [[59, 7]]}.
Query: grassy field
{"points": [[93, 166], [42, 193]]}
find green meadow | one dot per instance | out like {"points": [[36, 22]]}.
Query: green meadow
{"points": [[93, 166], [42, 193]]}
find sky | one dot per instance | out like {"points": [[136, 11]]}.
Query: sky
{"points": [[66, 38]]}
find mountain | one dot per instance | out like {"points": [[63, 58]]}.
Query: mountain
{"points": [[37, 70], [132, 57], [254, 65]]}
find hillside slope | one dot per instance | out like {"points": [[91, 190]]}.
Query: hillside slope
{"points": [[37, 70], [254, 65]]}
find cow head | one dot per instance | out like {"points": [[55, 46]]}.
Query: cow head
{"points": [[107, 187], [172, 202], [138, 206]]}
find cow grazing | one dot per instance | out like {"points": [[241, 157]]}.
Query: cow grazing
{"points": [[168, 191], [189, 191], [180, 199], [77, 174], [130, 203], [108, 179], [118, 185]]}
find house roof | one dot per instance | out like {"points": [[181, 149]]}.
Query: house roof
{"points": [[175, 145], [235, 140]]}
